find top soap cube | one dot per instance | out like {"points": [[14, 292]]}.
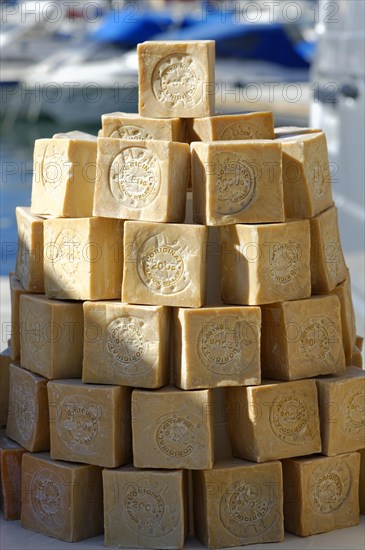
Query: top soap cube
{"points": [[176, 79]]}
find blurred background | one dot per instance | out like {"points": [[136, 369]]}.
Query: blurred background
{"points": [[64, 63]]}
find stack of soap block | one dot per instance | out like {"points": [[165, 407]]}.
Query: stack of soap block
{"points": [[182, 378]]}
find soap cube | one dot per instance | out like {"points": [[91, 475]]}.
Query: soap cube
{"points": [[51, 336], [126, 344], [343, 291], [289, 131], [176, 427], [83, 258], [238, 503], [217, 346], [302, 338], [29, 260], [176, 79], [145, 509], [11, 477], [342, 411], [328, 266], [132, 126], [61, 500], [28, 418], [144, 180], [16, 291], [321, 493], [273, 421], [75, 134], [265, 263], [64, 177], [164, 264], [5, 360], [90, 423], [306, 175], [232, 127], [362, 482], [237, 181]]}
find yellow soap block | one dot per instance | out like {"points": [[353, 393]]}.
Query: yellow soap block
{"points": [[16, 291], [131, 126], [10, 476], [343, 291], [29, 261], [231, 127], [5, 360]]}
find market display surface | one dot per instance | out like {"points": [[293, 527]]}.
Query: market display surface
{"points": [[183, 357]]}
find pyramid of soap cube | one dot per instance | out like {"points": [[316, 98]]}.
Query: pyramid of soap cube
{"points": [[183, 351]]}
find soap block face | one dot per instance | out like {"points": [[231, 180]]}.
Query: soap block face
{"points": [[16, 291], [51, 337], [64, 177], [164, 264], [5, 361], [321, 494], [217, 346], [145, 180], [75, 134], [90, 423], [29, 260], [61, 500], [343, 291], [28, 418], [289, 131], [145, 509], [362, 482], [10, 474], [238, 503], [83, 258], [285, 414], [232, 127], [175, 426], [265, 263], [237, 181], [306, 175], [131, 126], [176, 79], [341, 409], [302, 339], [126, 344], [327, 261]]}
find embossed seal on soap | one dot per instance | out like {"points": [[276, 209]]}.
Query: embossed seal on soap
{"points": [[67, 257], [77, 423], [177, 80], [317, 176], [47, 498], [316, 337], [284, 259], [25, 408], [129, 131], [235, 183], [135, 177], [353, 413], [55, 169], [124, 345], [289, 417], [179, 435], [240, 131], [151, 507], [36, 334], [328, 486]]}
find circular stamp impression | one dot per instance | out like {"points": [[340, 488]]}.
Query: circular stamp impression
{"points": [[145, 508], [47, 498], [36, 336], [353, 417], [240, 131], [177, 436], [67, 257], [247, 509], [235, 184], [25, 408], [177, 80], [55, 169], [131, 132], [315, 338], [135, 177], [317, 176], [77, 423], [227, 345], [124, 345], [328, 486], [289, 419], [284, 260]]}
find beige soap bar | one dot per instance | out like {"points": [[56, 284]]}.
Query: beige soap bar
{"points": [[343, 291], [16, 291], [356, 358], [306, 175], [83, 258], [362, 482], [173, 429], [10, 473], [328, 267], [164, 264], [321, 493], [217, 346], [132, 126], [61, 500], [342, 411], [126, 344], [75, 134], [29, 260], [237, 181], [143, 180], [145, 508], [289, 131], [238, 503], [176, 79], [302, 339], [51, 337], [64, 177], [265, 263], [5, 360], [232, 127], [274, 420], [90, 423], [28, 418]]}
